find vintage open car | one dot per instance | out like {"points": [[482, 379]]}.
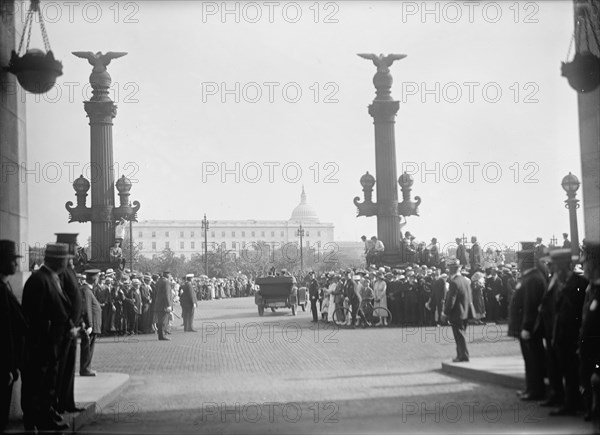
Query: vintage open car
{"points": [[279, 292]]}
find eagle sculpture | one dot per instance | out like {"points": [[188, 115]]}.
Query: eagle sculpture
{"points": [[99, 61], [382, 62]]}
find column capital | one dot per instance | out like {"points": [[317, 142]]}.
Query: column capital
{"points": [[384, 110]]}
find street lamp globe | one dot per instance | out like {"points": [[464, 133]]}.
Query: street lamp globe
{"points": [[570, 183]]}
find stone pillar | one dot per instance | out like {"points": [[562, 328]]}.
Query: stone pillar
{"points": [[388, 220], [589, 141], [101, 114]]}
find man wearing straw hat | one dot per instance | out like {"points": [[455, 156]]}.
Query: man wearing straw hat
{"points": [[44, 303], [13, 327]]}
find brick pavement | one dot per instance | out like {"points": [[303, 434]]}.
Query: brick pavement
{"points": [[384, 379]]}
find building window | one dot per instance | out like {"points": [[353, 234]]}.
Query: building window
{"points": [[282, 234], [153, 233], [222, 233], [191, 234], [319, 233], [140, 234], [140, 245], [272, 233], [166, 234], [253, 234], [212, 233], [232, 245], [243, 233], [154, 246], [233, 234], [181, 245], [192, 245], [307, 234], [181, 234], [262, 233], [166, 245]]}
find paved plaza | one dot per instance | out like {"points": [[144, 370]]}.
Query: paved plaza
{"points": [[241, 373]]}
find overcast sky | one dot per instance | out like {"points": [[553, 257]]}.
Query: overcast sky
{"points": [[480, 90]]}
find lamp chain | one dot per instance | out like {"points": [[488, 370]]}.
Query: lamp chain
{"points": [[34, 8]]}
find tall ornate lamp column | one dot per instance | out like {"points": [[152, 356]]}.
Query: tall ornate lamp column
{"points": [[388, 210], [103, 214], [570, 183]]}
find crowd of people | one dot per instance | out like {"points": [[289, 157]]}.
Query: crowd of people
{"points": [[61, 307]]}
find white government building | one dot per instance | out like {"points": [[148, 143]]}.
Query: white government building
{"points": [[186, 237]]}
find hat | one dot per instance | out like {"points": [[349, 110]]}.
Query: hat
{"points": [[389, 275], [591, 251], [57, 251], [92, 272], [189, 275], [561, 256], [8, 249], [166, 272], [381, 269], [154, 276], [453, 262], [68, 238], [136, 281], [109, 272], [401, 277], [356, 277], [380, 274]]}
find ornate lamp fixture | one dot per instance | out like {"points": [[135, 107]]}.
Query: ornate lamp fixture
{"points": [[368, 207], [125, 210], [81, 213], [36, 70], [408, 207], [583, 72]]}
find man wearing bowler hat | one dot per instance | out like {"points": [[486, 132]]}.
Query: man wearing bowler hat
{"points": [[456, 309], [44, 303], [66, 369], [92, 321], [13, 327], [188, 302]]}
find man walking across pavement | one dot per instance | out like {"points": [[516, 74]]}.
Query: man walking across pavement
{"points": [[313, 293], [188, 301], [163, 305], [13, 327], [457, 309], [92, 319]]}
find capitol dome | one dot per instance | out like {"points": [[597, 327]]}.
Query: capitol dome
{"points": [[304, 212]]}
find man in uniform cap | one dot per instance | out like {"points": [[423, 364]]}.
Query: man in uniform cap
{"points": [[313, 293], [13, 328], [523, 314], [456, 309], [188, 302], [589, 336], [92, 319], [66, 369], [568, 306], [44, 303]]}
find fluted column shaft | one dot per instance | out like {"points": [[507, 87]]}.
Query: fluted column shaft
{"points": [[388, 220], [101, 114]]}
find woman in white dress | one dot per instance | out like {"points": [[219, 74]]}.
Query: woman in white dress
{"points": [[329, 291], [380, 289]]}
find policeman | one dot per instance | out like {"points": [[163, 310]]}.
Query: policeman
{"points": [[569, 299], [589, 336], [524, 311]]}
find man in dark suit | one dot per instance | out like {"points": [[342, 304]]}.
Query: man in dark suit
{"points": [[13, 326], [188, 302], [461, 252], [475, 255], [44, 304], [524, 313], [494, 293], [92, 320], [313, 293], [589, 336], [569, 299], [66, 368], [457, 308], [163, 305], [566, 241]]}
